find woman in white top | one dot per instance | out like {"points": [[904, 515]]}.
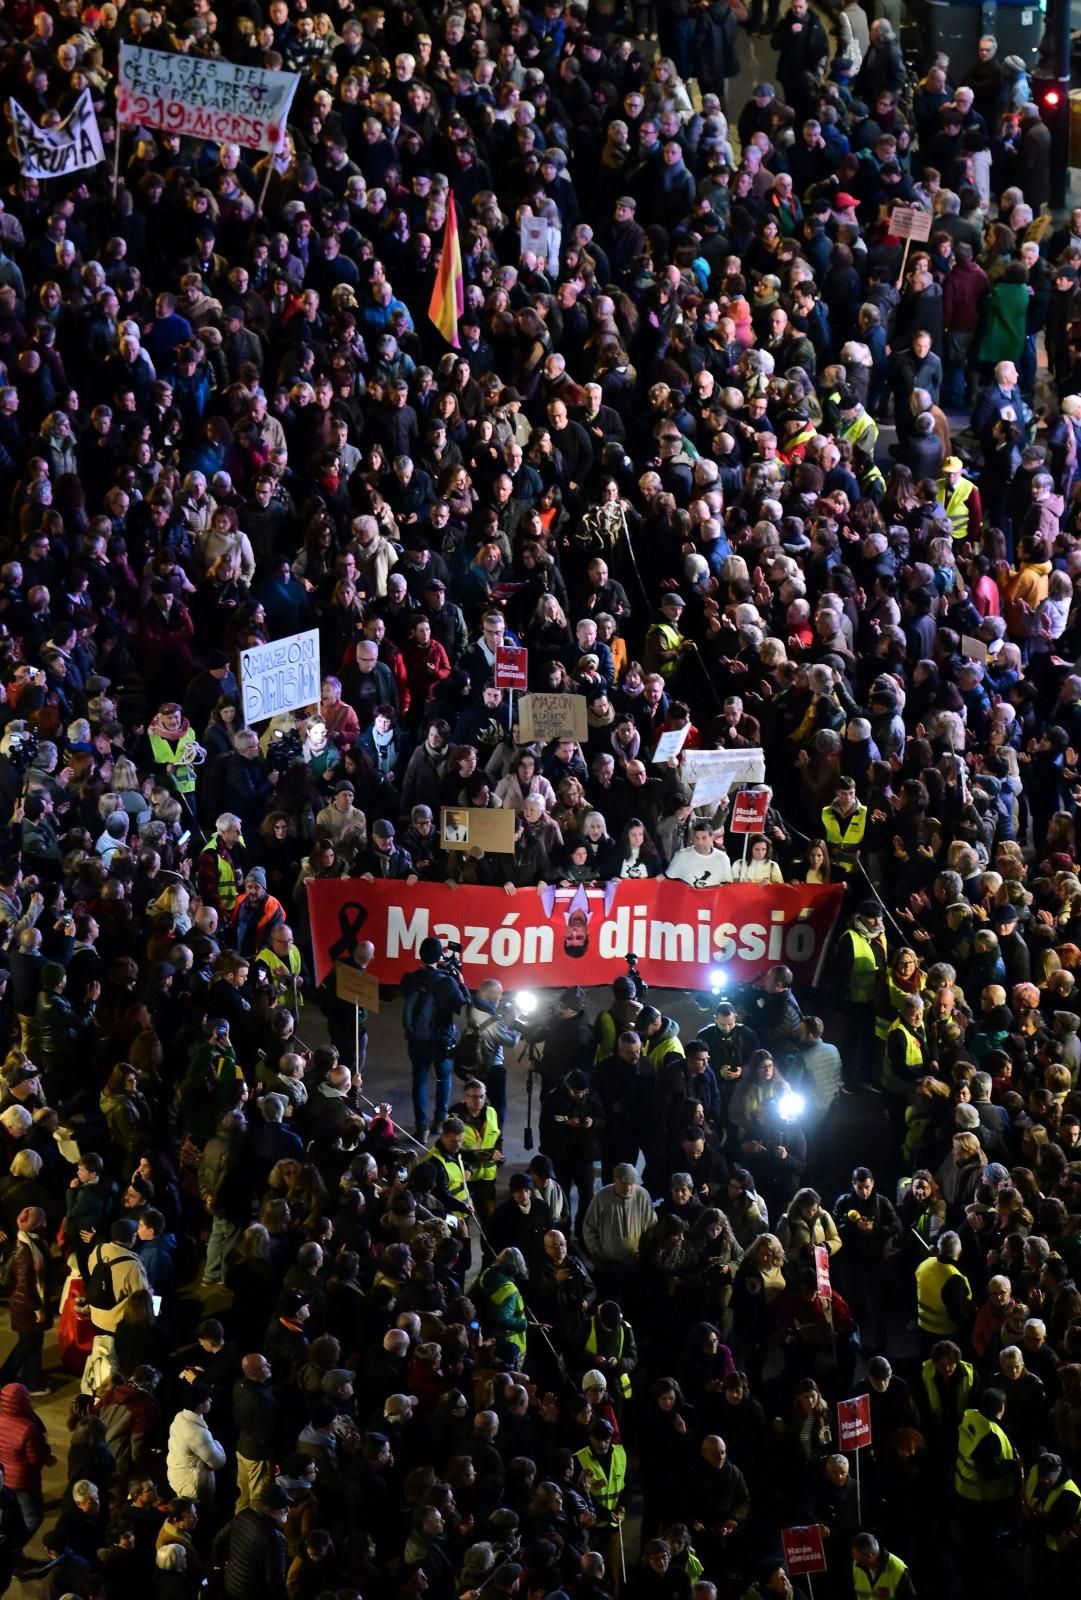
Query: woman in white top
{"points": [[759, 866]]}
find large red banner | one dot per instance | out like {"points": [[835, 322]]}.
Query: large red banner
{"points": [[551, 938]]}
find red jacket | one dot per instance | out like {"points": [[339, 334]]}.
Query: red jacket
{"points": [[24, 1445]]}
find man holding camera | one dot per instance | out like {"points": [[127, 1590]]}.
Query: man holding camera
{"points": [[432, 997]]}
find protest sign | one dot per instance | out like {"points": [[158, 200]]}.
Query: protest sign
{"points": [[489, 827], [910, 222], [72, 145], [974, 649], [671, 742], [552, 716], [712, 773], [804, 1552], [282, 676], [683, 933], [356, 988], [822, 1269], [854, 1422], [204, 98], [511, 668], [749, 810]]}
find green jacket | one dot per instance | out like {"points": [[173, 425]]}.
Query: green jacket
{"points": [[1003, 336]]}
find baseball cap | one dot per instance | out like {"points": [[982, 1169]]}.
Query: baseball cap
{"points": [[398, 1405], [844, 201], [953, 464], [764, 91], [431, 949]]}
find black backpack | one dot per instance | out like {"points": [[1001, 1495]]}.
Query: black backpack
{"points": [[100, 1292]]}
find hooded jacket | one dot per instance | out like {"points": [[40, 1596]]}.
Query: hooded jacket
{"points": [[24, 1444]]}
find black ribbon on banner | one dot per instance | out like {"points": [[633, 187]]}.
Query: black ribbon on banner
{"points": [[351, 919]]}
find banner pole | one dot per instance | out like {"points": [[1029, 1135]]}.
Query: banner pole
{"points": [[116, 161], [271, 158], [356, 1062], [859, 1498]]}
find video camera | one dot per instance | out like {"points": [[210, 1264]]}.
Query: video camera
{"points": [[641, 987], [452, 959], [285, 746]]}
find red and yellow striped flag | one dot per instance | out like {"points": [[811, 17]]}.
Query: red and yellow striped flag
{"points": [[448, 293]]}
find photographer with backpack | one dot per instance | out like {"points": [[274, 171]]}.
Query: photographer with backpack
{"points": [[490, 1028], [432, 997]]}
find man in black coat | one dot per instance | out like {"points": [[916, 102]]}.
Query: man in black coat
{"points": [[801, 43], [255, 1412], [252, 1547], [521, 1222]]}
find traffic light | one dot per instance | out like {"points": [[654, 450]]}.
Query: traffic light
{"points": [[1051, 89], [1053, 98]]}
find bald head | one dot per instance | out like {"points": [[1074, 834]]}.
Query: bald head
{"points": [[256, 1368]]}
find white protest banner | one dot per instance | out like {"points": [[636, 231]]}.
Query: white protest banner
{"points": [[712, 773], [727, 767], [204, 99], [282, 676], [670, 743], [72, 145], [974, 649]]}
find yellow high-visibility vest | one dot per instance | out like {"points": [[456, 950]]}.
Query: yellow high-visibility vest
{"points": [[955, 501], [168, 753], [591, 1350], [483, 1138], [932, 1277], [967, 1479]]}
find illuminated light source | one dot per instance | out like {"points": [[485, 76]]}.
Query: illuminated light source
{"points": [[525, 1003], [1052, 97], [791, 1106], [717, 979]]}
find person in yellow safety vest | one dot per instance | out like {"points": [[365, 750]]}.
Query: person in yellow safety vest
{"points": [[961, 499], [678, 1539], [943, 1293], [900, 978], [858, 428], [606, 1466], [861, 956], [174, 748], [284, 968], [220, 873], [986, 1471], [664, 645], [505, 1318], [907, 1057], [610, 1346], [446, 1156], [876, 1574], [844, 823], [482, 1144], [947, 1387], [1052, 1504]]}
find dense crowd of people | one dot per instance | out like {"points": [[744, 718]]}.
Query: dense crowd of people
{"points": [[726, 460]]}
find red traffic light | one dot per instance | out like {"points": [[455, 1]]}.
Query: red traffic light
{"points": [[1052, 97]]}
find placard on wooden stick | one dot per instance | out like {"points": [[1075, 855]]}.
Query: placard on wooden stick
{"points": [[356, 988], [552, 716], [491, 828]]}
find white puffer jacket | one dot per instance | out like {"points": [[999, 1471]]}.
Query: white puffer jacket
{"points": [[194, 1457]]}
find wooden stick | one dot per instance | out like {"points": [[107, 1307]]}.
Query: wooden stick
{"points": [[116, 161], [904, 262], [271, 158]]}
